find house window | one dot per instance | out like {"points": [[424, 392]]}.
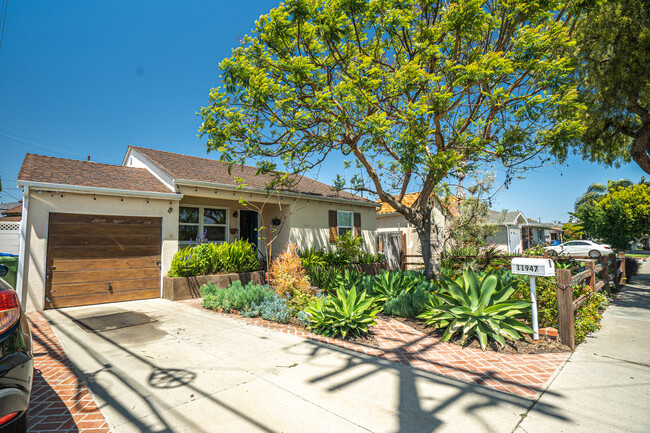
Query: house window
{"points": [[193, 222], [344, 222]]}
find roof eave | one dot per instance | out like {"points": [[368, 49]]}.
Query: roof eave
{"points": [[195, 183], [81, 189]]}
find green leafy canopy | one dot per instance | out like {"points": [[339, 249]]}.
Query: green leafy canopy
{"points": [[411, 91]]}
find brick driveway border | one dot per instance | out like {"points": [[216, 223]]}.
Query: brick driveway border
{"points": [[523, 375], [60, 402]]}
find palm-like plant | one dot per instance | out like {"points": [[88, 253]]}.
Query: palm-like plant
{"points": [[478, 307], [597, 190]]}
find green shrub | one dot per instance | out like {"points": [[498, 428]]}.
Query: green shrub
{"points": [[274, 308], [204, 259], [587, 317], [323, 277], [236, 297], [184, 263], [369, 258], [631, 267], [349, 247], [410, 304], [349, 278], [480, 308], [235, 257], [343, 314]]}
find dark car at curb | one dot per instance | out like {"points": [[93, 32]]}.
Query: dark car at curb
{"points": [[16, 361]]}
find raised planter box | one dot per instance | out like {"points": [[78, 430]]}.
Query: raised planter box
{"points": [[176, 289]]}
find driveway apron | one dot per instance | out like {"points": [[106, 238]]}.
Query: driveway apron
{"points": [[187, 370]]}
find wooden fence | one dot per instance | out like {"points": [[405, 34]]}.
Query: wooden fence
{"points": [[566, 305]]}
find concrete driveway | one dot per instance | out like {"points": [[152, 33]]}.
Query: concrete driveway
{"points": [[196, 371]]}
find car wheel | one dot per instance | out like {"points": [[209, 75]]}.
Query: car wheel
{"points": [[17, 426], [552, 253], [594, 254]]}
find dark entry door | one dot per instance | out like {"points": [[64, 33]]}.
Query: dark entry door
{"points": [[248, 226]]}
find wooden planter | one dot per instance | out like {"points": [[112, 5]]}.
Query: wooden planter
{"points": [[179, 288]]}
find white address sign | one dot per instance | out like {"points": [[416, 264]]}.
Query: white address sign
{"points": [[533, 267]]}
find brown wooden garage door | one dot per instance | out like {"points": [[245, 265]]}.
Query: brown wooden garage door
{"points": [[93, 259]]}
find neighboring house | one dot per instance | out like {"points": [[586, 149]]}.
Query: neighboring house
{"points": [[394, 229], [508, 239], [95, 233], [535, 233], [10, 228]]}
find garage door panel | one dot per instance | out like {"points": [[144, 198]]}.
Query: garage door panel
{"points": [[97, 287], [103, 275], [97, 259], [113, 252], [116, 264], [62, 230], [104, 220], [101, 298], [109, 240]]}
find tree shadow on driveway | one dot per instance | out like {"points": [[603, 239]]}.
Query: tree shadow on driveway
{"points": [[416, 406]]}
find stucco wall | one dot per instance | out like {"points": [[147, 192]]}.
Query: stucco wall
{"points": [[310, 224], [41, 204]]}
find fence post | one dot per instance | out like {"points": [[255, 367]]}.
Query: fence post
{"points": [[605, 272], [591, 266], [623, 279], [565, 316]]}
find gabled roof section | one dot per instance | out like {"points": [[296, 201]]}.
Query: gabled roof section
{"points": [[494, 217], [196, 169], [410, 198], [74, 173], [14, 211]]}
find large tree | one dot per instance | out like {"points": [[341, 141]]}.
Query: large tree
{"points": [[410, 92], [614, 43]]}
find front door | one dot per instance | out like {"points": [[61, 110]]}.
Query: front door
{"points": [[248, 226]]}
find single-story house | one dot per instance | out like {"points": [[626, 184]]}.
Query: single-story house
{"points": [[396, 233], [10, 228], [508, 238], [536, 233], [95, 233]]}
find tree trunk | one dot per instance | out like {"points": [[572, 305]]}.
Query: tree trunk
{"points": [[431, 250]]}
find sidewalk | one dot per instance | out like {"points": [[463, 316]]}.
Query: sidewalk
{"points": [[605, 386]]}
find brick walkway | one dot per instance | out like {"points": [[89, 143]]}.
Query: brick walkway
{"points": [[60, 402], [523, 375]]}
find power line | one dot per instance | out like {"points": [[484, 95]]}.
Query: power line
{"points": [[2, 21]]}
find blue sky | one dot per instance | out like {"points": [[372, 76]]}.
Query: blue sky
{"points": [[82, 78]]}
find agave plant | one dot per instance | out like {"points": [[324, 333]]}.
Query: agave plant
{"points": [[350, 278], [478, 307], [343, 314], [393, 284]]}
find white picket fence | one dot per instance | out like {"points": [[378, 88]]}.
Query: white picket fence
{"points": [[9, 238]]}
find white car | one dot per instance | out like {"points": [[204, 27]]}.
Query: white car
{"points": [[580, 248]]}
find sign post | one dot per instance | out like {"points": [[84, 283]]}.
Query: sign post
{"points": [[533, 268]]}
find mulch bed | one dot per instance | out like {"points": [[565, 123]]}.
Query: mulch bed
{"points": [[526, 346]]}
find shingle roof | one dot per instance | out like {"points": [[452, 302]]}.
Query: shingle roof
{"points": [[494, 217], [11, 219], [194, 168], [410, 198], [39, 168], [14, 211]]}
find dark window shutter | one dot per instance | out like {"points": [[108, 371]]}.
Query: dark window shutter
{"points": [[334, 230], [357, 224]]}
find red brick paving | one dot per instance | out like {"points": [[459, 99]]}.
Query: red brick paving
{"points": [[60, 402], [523, 375]]}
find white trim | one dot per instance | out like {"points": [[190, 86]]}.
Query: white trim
{"points": [[141, 161], [98, 190], [196, 183], [23, 246]]}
